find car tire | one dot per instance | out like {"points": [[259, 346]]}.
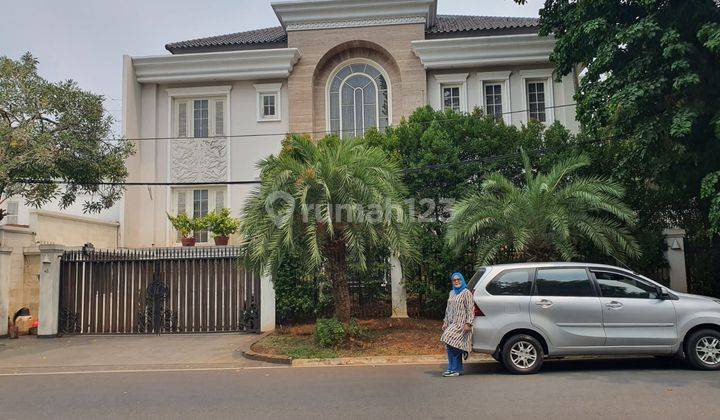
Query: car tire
{"points": [[522, 354], [703, 350]]}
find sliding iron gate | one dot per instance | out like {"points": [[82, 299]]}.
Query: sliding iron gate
{"points": [[161, 290]]}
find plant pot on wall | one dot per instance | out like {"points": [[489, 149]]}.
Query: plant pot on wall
{"points": [[221, 240], [188, 241]]}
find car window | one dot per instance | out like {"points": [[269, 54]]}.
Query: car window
{"points": [[473, 281], [563, 282], [511, 283], [620, 286]]}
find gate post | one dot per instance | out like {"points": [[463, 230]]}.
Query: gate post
{"points": [[4, 290], [267, 304], [49, 310], [397, 289], [675, 255]]}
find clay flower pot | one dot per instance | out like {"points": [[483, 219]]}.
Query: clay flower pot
{"points": [[188, 241], [221, 240]]}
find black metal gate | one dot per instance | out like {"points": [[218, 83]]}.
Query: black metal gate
{"points": [[160, 290]]}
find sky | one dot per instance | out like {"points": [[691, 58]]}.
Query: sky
{"points": [[85, 40]]}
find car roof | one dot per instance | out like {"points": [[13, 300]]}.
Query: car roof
{"points": [[555, 264]]}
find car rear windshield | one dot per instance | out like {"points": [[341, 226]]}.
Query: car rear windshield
{"points": [[475, 278]]}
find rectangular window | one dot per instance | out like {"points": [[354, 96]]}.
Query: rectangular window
{"points": [[536, 100], [563, 282], [198, 202], [201, 115], [269, 106], [511, 283], [493, 100], [200, 209], [614, 285], [12, 213], [451, 98]]}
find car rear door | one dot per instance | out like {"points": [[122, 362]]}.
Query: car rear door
{"points": [[633, 313], [567, 309]]}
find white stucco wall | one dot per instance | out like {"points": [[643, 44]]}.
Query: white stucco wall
{"points": [[76, 209], [146, 206]]}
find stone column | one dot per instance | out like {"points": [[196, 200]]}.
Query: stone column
{"points": [[675, 255], [267, 304], [49, 289], [4, 290], [397, 288]]}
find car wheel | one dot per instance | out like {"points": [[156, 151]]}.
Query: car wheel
{"points": [[522, 354], [703, 350]]}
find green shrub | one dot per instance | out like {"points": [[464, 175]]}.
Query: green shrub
{"points": [[221, 223], [355, 330], [186, 225], [300, 296], [329, 332]]}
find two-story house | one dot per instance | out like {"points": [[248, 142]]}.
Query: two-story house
{"points": [[213, 107]]}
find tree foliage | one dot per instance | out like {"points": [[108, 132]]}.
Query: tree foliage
{"points": [[55, 132], [545, 218], [651, 88], [332, 202]]}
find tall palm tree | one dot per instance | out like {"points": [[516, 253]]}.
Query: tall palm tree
{"points": [[545, 218], [332, 201]]}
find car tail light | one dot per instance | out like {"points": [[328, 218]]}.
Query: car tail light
{"points": [[477, 310]]}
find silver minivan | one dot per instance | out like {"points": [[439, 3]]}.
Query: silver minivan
{"points": [[526, 312]]}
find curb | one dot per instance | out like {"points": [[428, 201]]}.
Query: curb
{"points": [[352, 361], [383, 360], [263, 357]]}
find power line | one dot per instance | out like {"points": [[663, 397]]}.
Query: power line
{"points": [[251, 135], [484, 160]]}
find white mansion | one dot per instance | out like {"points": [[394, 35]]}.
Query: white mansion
{"points": [[213, 107]]}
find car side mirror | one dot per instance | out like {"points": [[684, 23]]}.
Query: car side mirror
{"points": [[662, 293]]}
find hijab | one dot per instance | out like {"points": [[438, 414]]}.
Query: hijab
{"points": [[463, 285]]}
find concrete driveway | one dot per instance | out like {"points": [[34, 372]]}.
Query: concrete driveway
{"points": [[93, 353]]}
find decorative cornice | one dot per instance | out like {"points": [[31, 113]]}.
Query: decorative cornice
{"points": [[483, 51], [324, 14], [230, 65], [354, 23]]}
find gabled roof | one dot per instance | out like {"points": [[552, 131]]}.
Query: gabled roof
{"points": [[276, 37]]}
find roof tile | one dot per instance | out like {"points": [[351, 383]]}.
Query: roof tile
{"points": [[276, 36]]}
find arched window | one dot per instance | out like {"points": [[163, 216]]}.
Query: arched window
{"points": [[358, 100]]}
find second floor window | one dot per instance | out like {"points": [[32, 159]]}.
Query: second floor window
{"points": [[493, 100], [200, 117], [536, 100]]}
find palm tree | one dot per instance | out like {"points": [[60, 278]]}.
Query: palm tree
{"points": [[332, 201], [545, 218]]}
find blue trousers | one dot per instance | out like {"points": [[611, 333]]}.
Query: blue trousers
{"points": [[455, 356]]}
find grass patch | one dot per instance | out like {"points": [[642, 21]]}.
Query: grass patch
{"points": [[297, 347], [374, 337]]}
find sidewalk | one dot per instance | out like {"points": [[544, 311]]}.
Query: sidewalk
{"points": [[133, 352]]}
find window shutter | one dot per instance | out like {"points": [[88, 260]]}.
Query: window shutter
{"points": [[219, 200], [12, 213], [181, 202], [219, 118], [182, 119]]}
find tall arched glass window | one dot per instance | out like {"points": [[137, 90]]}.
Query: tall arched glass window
{"points": [[358, 98]]}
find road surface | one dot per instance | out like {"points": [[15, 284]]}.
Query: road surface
{"points": [[628, 388]]}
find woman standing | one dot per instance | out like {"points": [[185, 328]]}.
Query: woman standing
{"points": [[457, 325]]}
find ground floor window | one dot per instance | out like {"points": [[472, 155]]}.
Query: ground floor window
{"points": [[198, 202], [493, 99], [451, 97]]}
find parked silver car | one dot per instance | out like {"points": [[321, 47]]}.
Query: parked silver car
{"points": [[526, 312]]}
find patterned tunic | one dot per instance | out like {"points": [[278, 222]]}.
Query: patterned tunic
{"points": [[459, 312]]}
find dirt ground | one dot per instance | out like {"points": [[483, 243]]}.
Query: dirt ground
{"points": [[378, 337]]}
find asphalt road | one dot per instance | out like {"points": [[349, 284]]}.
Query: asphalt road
{"points": [[629, 388]]}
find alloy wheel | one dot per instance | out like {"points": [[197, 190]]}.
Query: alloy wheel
{"points": [[708, 350], [523, 354]]}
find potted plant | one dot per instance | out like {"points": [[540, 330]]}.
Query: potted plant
{"points": [[186, 226], [222, 225]]}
